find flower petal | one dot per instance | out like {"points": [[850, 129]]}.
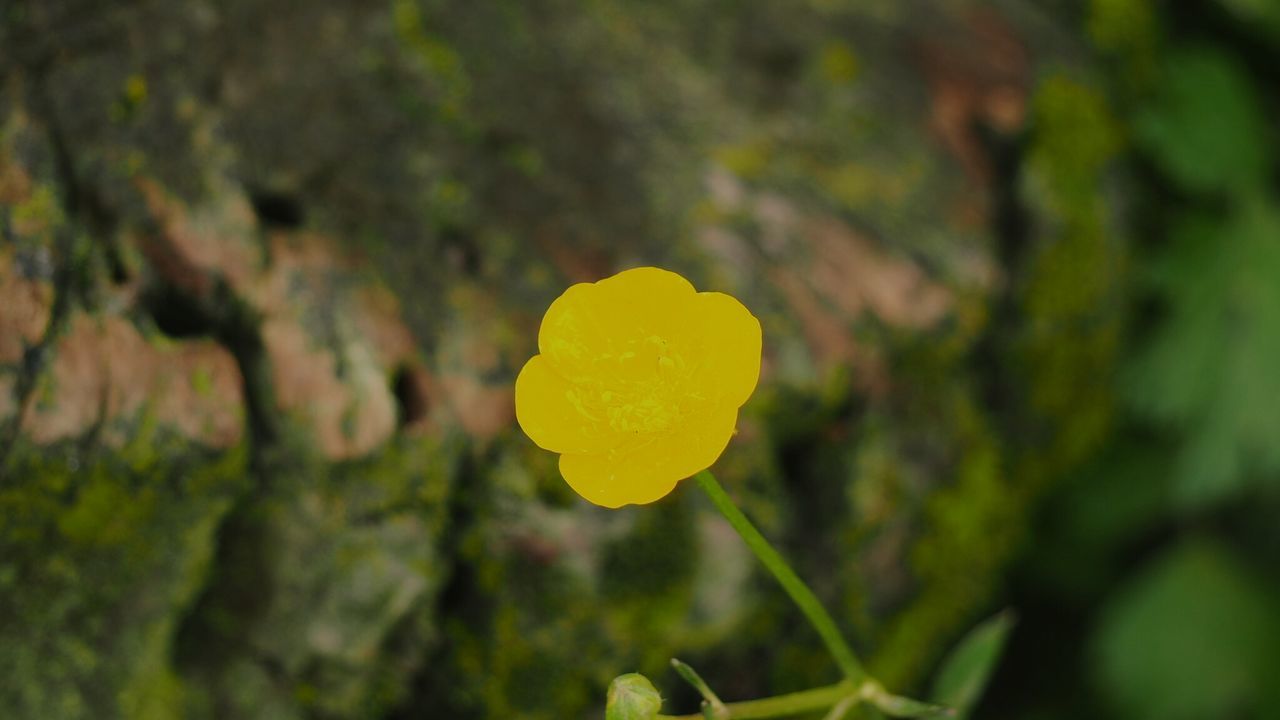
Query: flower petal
{"points": [[615, 329], [573, 330], [648, 471], [547, 413], [645, 294], [733, 342]]}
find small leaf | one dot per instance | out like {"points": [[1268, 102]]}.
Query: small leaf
{"points": [[965, 671], [632, 697]]}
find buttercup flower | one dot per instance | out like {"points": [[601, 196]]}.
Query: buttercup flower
{"points": [[638, 383]]}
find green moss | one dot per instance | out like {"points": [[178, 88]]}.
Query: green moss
{"points": [[973, 521], [1130, 31], [440, 63], [38, 215], [202, 382], [1069, 347], [104, 513], [748, 159], [132, 96], [556, 597], [1074, 136], [331, 573], [839, 63], [101, 553], [971, 525], [1075, 277]]}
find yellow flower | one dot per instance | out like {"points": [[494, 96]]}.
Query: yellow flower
{"points": [[638, 383]]}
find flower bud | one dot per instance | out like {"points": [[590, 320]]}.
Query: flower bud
{"points": [[632, 697]]}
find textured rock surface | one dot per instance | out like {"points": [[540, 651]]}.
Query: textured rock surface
{"points": [[268, 271]]}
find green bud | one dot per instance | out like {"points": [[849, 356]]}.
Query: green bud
{"points": [[632, 697]]}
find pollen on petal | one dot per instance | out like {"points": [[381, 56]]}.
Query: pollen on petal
{"points": [[551, 412]]}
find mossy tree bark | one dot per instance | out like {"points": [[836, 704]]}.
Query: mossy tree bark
{"points": [[267, 271]]}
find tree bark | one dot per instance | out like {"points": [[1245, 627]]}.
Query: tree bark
{"points": [[268, 270]]}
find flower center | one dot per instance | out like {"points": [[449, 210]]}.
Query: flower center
{"points": [[644, 392]]}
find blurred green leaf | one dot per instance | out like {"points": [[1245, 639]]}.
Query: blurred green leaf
{"points": [[1205, 127], [965, 672], [1108, 503], [1195, 636], [1259, 14], [1211, 367]]}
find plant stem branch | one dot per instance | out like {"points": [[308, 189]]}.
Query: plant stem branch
{"points": [[782, 705], [842, 708]]}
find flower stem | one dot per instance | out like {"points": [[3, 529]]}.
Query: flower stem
{"points": [[795, 587], [782, 705]]}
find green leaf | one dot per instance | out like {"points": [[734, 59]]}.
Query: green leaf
{"points": [[1259, 14], [1205, 128], [1210, 368], [1197, 635], [965, 672]]}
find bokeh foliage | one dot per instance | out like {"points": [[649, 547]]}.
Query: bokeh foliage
{"points": [[1157, 556]]}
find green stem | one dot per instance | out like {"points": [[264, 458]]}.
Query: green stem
{"points": [[795, 587], [692, 677], [842, 708], [782, 705]]}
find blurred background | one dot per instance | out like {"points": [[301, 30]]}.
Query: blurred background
{"points": [[268, 270]]}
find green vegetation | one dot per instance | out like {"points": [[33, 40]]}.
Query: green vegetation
{"points": [[1155, 551]]}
